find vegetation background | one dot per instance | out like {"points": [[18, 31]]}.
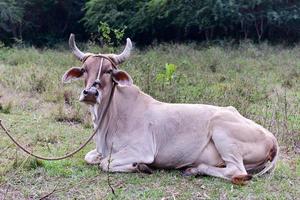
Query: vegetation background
{"points": [[47, 22], [239, 53]]}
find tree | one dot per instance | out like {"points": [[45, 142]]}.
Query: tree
{"points": [[11, 15]]}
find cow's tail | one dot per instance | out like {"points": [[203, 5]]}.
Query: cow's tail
{"points": [[272, 157]]}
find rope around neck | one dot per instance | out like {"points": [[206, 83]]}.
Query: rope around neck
{"points": [[71, 153]]}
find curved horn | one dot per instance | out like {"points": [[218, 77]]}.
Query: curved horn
{"points": [[125, 54], [79, 54]]}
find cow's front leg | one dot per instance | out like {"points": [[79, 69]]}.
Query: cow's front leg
{"points": [[93, 157], [123, 161]]}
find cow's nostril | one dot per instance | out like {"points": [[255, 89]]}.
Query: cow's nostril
{"points": [[96, 94], [85, 92]]}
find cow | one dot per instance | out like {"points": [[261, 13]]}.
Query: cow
{"points": [[138, 133]]}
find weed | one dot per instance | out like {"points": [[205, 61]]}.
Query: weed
{"points": [[70, 115], [6, 109]]}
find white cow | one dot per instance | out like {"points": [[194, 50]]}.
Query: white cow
{"points": [[138, 132]]}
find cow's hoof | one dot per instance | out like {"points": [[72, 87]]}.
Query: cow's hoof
{"points": [[241, 179], [93, 157], [187, 172], [144, 168]]}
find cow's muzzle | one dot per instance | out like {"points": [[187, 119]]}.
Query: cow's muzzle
{"points": [[90, 96]]}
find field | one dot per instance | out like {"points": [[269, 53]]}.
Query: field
{"points": [[261, 81]]}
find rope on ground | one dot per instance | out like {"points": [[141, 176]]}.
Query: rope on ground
{"points": [[42, 157]]}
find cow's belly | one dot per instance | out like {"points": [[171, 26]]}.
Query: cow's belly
{"points": [[188, 155]]}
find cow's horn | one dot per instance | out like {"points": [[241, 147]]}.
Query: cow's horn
{"points": [[79, 54], [125, 54]]}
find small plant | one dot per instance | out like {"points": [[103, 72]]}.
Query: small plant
{"points": [[38, 83], [168, 75], [69, 115], [109, 36], [6, 109], [32, 164], [166, 80]]}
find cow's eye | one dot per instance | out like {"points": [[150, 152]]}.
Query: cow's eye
{"points": [[83, 70], [108, 71]]}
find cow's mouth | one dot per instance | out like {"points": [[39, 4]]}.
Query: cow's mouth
{"points": [[90, 100]]}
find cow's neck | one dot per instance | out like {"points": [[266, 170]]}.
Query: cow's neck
{"points": [[124, 101]]}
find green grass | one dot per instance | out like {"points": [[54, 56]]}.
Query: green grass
{"points": [[261, 81]]}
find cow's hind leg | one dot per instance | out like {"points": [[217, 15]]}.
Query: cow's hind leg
{"points": [[93, 157], [230, 151], [230, 172], [231, 154]]}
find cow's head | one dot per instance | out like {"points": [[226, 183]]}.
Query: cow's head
{"points": [[99, 72]]}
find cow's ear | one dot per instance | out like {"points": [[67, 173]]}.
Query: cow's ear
{"points": [[71, 74], [122, 78]]}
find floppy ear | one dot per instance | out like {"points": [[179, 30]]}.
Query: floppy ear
{"points": [[122, 78], [71, 74]]}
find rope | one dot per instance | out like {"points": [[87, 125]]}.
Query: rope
{"points": [[69, 154]]}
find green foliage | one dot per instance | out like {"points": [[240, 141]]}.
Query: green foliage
{"points": [[11, 18], [168, 75], [46, 22], [40, 22], [198, 20], [104, 31], [109, 36]]}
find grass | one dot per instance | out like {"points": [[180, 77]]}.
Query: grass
{"points": [[261, 81]]}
